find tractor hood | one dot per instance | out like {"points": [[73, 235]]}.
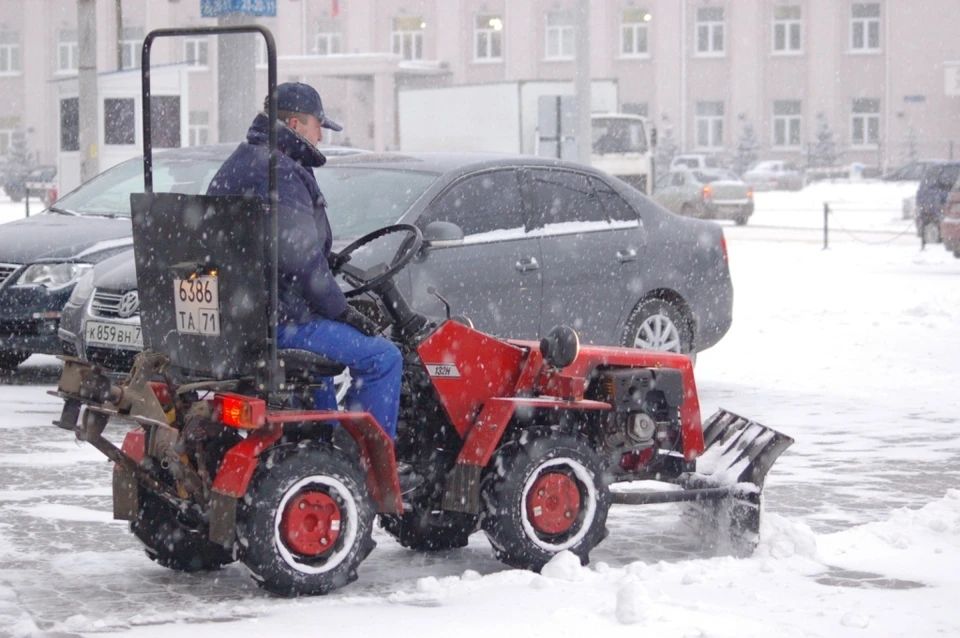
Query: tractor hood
{"points": [[50, 236]]}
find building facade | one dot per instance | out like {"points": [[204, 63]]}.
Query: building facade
{"points": [[881, 75]]}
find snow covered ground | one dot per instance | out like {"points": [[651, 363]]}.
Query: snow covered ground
{"points": [[853, 351]]}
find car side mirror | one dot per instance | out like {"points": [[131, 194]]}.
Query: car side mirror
{"points": [[442, 235]]}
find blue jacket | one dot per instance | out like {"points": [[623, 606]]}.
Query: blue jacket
{"points": [[307, 288]]}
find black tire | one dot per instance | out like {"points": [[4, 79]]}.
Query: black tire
{"points": [[557, 466], [657, 324], [741, 220], [172, 544], [956, 253], [286, 557], [424, 531], [10, 359]]}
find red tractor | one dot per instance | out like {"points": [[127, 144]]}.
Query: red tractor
{"points": [[519, 439]]}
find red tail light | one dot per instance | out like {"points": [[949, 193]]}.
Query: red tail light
{"points": [[749, 193], [723, 245], [239, 411], [706, 192]]}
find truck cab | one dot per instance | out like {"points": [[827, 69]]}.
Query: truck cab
{"points": [[621, 148]]}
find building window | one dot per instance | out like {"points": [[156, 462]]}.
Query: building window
{"points": [[559, 36], [7, 126], [710, 31], [9, 52], [710, 125], [488, 38], [634, 33], [787, 29], [67, 51], [199, 128], [70, 124], [865, 122], [408, 37], [786, 123], [119, 122], [196, 52], [130, 46], [327, 40], [865, 27]]}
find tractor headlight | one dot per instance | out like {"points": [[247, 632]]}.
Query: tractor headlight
{"points": [[83, 289], [52, 275]]}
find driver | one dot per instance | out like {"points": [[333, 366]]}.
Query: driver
{"points": [[313, 313]]}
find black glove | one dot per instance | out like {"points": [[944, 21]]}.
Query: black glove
{"points": [[335, 260], [358, 320]]}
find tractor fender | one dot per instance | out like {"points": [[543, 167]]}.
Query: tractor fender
{"points": [[463, 482]]}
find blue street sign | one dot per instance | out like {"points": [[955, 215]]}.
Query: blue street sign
{"points": [[214, 8], [914, 98]]}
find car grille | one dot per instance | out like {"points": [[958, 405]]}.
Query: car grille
{"points": [[115, 305], [637, 181], [6, 271]]}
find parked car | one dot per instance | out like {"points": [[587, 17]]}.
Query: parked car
{"points": [[950, 226], [39, 181], [937, 181], [694, 160], [774, 175], [536, 243], [709, 193], [910, 172]]}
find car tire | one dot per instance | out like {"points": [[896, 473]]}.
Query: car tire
{"points": [[172, 544], [430, 531], [10, 359], [542, 495], [741, 220], [658, 324], [302, 499], [931, 233]]}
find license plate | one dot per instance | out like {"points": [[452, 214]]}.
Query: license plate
{"points": [[116, 335], [197, 304]]}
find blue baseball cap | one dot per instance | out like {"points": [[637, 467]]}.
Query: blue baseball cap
{"points": [[302, 98]]}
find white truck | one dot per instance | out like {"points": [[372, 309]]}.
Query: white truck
{"points": [[526, 117]]}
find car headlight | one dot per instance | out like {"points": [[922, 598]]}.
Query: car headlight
{"points": [[52, 275], [83, 289]]}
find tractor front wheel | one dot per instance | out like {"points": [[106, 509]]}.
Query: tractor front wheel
{"points": [[541, 495], [173, 544], [305, 524]]}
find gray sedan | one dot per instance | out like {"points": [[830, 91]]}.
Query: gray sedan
{"points": [[528, 244]]}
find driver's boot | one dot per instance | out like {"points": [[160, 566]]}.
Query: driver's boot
{"points": [[410, 479]]}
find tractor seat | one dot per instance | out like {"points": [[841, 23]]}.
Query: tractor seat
{"points": [[303, 363]]}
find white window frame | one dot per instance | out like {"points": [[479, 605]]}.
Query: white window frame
{"points": [[862, 119], [863, 24], [787, 25], [70, 48], [712, 124], [131, 47], [400, 38], [787, 123], [488, 26], [635, 28], [199, 58], [6, 139], [198, 133], [330, 37], [714, 30], [10, 53], [560, 34]]}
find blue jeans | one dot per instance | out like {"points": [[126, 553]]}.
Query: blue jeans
{"points": [[375, 364]]}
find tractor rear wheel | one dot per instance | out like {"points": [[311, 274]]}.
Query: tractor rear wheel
{"points": [[543, 495], [428, 531], [305, 524], [173, 544]]}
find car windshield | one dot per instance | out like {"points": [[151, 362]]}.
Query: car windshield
{"points": [[108, 194], [705, 177], [766, 166], [361, 200], [618, 135]]}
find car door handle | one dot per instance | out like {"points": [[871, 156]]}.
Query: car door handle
{"points": [[526, 265], [624, 256]]}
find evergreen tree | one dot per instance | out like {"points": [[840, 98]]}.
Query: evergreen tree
{"points": [[18, 158], [824, 153], [747, 146]]}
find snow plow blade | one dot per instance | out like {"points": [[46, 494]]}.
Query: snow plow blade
{"points": [[737, 450]]}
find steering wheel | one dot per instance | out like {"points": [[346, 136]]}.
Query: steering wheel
{"points": [[371, 278]]}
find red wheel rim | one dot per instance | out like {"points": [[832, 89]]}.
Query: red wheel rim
{"points": [[553, 503], [311, 523]]}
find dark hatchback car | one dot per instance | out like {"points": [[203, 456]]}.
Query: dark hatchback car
{"points": [[937, 182], [537, 243]]}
